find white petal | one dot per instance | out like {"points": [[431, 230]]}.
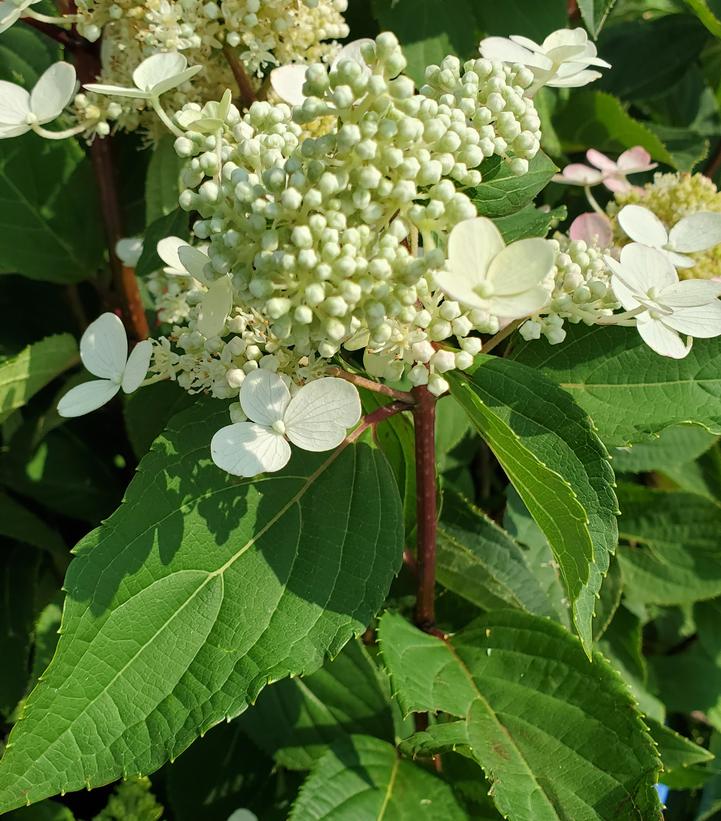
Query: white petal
{"points": [[104, 347], [623, 293], [660, 338], [176, 80], [264, 397], [167, 250], [319, 415], [690, 293], [643, 268], [13, 130], [703, 321], [9, 14], [129, 250], [579, 174], [137, 367], [193, 260], [601, 160], [521, 266], [353, 51], [117, 91], [573, 80], [697, 232], [246, 449], [500, 48], [526, 42], [642, 225], [679, 260], [215, 307], [516, 306], [566, 37], [87, 397], [14, 104], [159, 68], [53, 91], [287, 82]]}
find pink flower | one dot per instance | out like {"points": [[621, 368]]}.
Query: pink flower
{"points": [[605, 170], [593, 229]]}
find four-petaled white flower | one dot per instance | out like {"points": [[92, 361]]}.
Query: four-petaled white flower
{"points": [[21, 111], [183, 259], [152, 77], [287, 81], [696, 232], [12, 10], [605, 170], [561, 61], [646, 283], [104, 352], [316, 418], [506, 281]]}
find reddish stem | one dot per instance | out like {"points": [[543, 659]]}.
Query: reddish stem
{"points": [[424, 415], [574, 13], [247, 92], [87, 62]]}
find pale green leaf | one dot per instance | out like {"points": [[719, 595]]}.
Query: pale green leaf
{"points": [[677, 752], [629, 391], [557, 735], [704, 13], [550, 452], [529, 222], [673, 446], [501, 192], [32, 369], [365, 778], [198, 591]]}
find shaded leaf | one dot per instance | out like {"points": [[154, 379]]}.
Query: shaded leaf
{"points": [[162, 183], [501, 192], [174, 224], [594, 14]]}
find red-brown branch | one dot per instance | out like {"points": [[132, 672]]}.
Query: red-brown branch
{"points": [[247, 92]]}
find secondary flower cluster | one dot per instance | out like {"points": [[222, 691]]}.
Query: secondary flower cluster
{"points": [[257, 35]]}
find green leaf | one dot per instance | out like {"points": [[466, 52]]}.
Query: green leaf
{"points": [[706, 615], [21, 525], [198, 591], [547, 447], [594, 14], [536, 715], [147, 412], [479, 561], [364, 777], [49, 207], [648, 56], [32, 369], [677, 752], [526, 17], [45, 632], [679, 444], [629, 391], [18, 578], [596, 119], [45, 811], [415, 23], [25, 54], [501, 192], [132, 801], [673, 557], [529, 222], [162, 183], [176, 223], [704, 13], [296, 720]]}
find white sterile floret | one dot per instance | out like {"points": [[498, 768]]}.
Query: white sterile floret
{"points": [[646, 283], [316, 418], [104, 352], [12, 10], [506, 281], [696, 232], [182, 259], [129, 250], [153, 77], [561, 61], [21, 111]]}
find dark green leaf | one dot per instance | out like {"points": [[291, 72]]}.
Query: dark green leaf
{"points": [[594, 13], [547, 446], [535, 714], [176, 223], [631, 392], [49, 207], [147, 412], [529, 222], [677, 752], [25, 54], [198, 591], [526, 17], [672, 446], [21, 525], [501, 192], [364, 777], [162, 185]]}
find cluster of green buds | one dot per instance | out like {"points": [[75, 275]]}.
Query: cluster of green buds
{"points": [[331, 237]]}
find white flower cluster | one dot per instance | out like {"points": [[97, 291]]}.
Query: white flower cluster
{"points": [[320, 235], [582, 291], [258, 34]]}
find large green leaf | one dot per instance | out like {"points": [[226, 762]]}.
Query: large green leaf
{"points": [[32, 369], [162, 183], [25, 54], [49, 213], [296, 720], [673, 555], [559, 736], [424, 41], [502, 192], [197, 592], [480, 562], [594, 13], [527, 17], [678, 753], [365, 778], [629, 391], [547, 446]]}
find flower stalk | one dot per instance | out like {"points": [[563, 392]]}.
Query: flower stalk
{"points": [[247, 92]]}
